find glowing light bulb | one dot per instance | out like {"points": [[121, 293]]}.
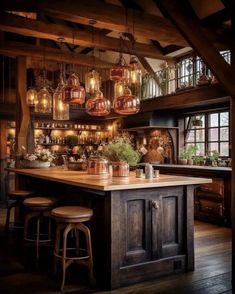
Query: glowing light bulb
{"points": [[61, 106]]}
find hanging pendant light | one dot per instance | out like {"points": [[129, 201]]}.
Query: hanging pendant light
{"points": [[60, 109], [92, 78], [92, 81], [127, 103], [119, 87], [43, 104], [135, 73], [98, 105], [31, 97], [73, 92], [44, 99], [120, 70]]}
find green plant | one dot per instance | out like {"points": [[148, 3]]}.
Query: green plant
{"points": [[121, 149], [72, 141], [198, 159], [214, 155], [187, 152]]}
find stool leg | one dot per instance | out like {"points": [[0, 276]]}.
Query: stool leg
{"points": [[87, 233], [49, 228], [65, 235], [77, 241], [38, 237], [10, 206], [26, 222], [57, 245]]}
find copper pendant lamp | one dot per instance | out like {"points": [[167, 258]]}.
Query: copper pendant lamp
{"points": [[98, 105], [73, 92], [127, 103]]}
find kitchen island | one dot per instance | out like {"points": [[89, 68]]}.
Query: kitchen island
{"points": [[141, 229]]}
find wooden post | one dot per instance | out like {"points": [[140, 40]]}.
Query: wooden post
{"points": [[3, 154], [231, 6], [22, 110]]}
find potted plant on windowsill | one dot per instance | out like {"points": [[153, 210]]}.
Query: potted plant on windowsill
{"points": [[121, 154], [214, 157], [186, 154]]}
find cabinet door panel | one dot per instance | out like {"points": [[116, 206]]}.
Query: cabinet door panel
{"points": [[171, 228], [135, 231]]}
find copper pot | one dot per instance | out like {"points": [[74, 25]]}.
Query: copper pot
{"points": [[120, 169], [97, 165]]}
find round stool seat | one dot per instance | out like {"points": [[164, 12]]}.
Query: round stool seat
{"points": [[38, 202], [72, 214], [20, 194]]}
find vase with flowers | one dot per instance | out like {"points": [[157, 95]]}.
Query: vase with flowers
{"points": [[121, 153], [39, 159]]}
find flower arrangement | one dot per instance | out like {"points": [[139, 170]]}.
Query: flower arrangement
{"points": [[40, 154], [121, 149]]}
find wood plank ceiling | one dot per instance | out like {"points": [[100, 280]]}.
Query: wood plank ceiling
{"points": [[154, 34]]}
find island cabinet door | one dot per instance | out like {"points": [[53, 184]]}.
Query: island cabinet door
{"points": [[167, 223], [135, 227]]}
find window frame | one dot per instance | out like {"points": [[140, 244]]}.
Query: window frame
{"points": [[188, 128]]}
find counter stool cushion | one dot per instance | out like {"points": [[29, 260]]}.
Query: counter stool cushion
{"points": [[72, 214], [40, 202], [18, 194]]}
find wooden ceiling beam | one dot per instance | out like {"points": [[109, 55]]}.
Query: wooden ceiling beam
{"points": [[183, 16], [22, 49], [107, 15], [200, 96], [216, 19], [39, 29]]}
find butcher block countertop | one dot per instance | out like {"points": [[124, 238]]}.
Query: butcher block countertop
{"points": [[106, 182]]}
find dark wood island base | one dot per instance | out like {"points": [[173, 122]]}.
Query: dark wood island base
{"points": [[141, 229]]}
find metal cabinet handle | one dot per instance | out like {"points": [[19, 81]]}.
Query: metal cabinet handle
{"points": [[155, 204]]}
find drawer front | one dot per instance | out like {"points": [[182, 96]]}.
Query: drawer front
{"points": [[210, 207], [216, 187]]}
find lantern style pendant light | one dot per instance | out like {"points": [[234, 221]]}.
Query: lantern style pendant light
{"points": [[120, 70], [92, 81], [135, 73], [119, 87], [73, 92], [60, 109], [98, 105], [31, 97], [127, 103], [92, 78], [44, 99]]}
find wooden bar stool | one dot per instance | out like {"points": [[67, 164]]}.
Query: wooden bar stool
{"points": [[70, 219], [38, 207], [17, 196]]}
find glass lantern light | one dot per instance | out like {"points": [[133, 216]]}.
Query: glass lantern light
{"points": [[98, 105], [44, 101], [31, 97], [127, 103], [135, 73], [73, 92], [60, 109], [119, 87], [92, 81]]}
